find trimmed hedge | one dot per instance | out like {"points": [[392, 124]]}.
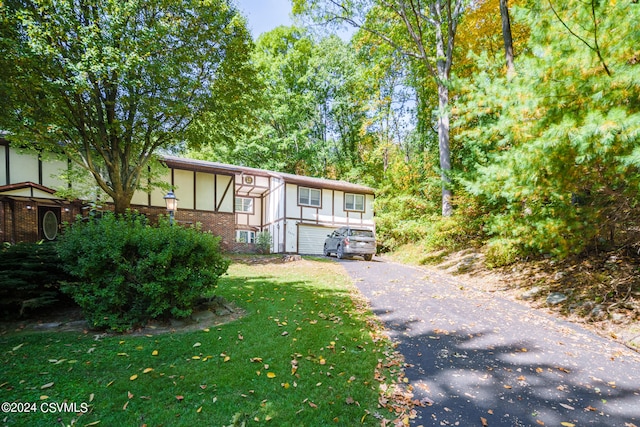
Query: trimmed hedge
{"points": [[129, 272]]}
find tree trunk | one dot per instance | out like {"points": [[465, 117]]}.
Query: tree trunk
{"points": [[506, 35], [443, 144]]}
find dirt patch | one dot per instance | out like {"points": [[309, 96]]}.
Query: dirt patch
{"points": [[70, 319], [601, 293]]}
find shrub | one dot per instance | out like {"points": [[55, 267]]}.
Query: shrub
{"points": [[501, 252], [29, 276], [129, 272], [263, 242]]}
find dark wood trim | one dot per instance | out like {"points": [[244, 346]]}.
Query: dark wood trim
{"points": [[232, 182]]}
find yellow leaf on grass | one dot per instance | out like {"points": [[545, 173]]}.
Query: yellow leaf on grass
{"points": [[95, 423], [133, 377], [196, 357], [271, 375], [47, 385], [154, 353], [44, 397], [226, 359], [197, 344], [199, 410], [147, 370], [91, 396]]}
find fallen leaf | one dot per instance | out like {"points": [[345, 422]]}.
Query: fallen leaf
{"points": [[540, 422], [95, 423], [256, 359], [313, 405], [567, 424], [47, 385], [129, 395], [590, 408], [124, 407], [147, 370], [154, 353], [271, 375], [349, 400], [91, 396], [17, 347], [197, 344], [133, 377], [226, 359], [199, 410], [564, 405], [506, 386], [180, 398], [44, 397], [484, 422]]}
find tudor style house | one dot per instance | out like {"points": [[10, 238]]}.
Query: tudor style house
{"points": [[232, 202]]}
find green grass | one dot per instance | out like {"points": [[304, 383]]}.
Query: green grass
{"points": [[298, 315]]}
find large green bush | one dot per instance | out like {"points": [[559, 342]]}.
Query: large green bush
{"points": [[29, 276], [129, 272]]}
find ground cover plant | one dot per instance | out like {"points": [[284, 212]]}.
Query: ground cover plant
{"points": [[303, 354]]}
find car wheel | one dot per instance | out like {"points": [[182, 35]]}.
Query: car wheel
{"points": [[368, 257], [340, 253], [325, 251]]}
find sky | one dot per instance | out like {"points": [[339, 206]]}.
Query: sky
{"points": [[265, 15]]}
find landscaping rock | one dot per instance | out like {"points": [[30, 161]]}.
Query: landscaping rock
{"points": [[556, 298], [531, 293]]}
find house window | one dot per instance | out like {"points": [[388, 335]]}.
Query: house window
{"points": [[354, 202], [245, 236], [244, 204], [309, 197]]}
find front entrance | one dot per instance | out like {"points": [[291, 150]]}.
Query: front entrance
{"points": [[48, 222]]}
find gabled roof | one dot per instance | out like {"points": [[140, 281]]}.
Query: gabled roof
{"points": [[206, 166], [27, 189]]}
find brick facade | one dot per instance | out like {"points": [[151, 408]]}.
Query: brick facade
{"points": [[218, 223], [19, 219]]}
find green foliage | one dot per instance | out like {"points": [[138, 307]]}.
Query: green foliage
{"points": [[129, 272], [501, 252], [554, 162], [263, 242], [110, 82], [29, 276]]}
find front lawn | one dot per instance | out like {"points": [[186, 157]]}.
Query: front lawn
{"points": [[303, 355]]}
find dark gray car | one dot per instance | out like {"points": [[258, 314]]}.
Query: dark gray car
{"points": [[349, 241]]}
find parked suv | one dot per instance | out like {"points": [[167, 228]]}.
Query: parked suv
{"points": [[348, 241]]}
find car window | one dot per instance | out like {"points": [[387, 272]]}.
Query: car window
{"points": [[361, 233]]}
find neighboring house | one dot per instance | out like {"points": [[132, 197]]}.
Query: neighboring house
{"points": [[233, 202]]}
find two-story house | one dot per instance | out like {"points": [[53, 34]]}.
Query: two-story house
{"points": [[233, 202]]}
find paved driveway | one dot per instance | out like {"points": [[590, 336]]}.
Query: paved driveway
{"points": [[484, 359]]}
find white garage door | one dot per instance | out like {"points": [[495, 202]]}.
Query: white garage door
{"points": [[311, 239]]}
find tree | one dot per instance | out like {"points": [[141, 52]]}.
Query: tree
{"points": [[506, 35], [558, 161], [109, 82], [429, 36], [310, 116]]}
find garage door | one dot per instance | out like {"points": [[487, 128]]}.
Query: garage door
{"points": [[311, 239]]}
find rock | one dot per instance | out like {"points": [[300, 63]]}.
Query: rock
{"points": [[597, 312], [531, 293], [556, 298], [618, 317]]}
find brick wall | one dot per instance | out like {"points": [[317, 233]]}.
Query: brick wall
{"points": [[218, 223], [19, 220]]}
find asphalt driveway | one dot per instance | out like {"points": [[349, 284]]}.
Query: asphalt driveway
{"points": [[485, 360]]}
